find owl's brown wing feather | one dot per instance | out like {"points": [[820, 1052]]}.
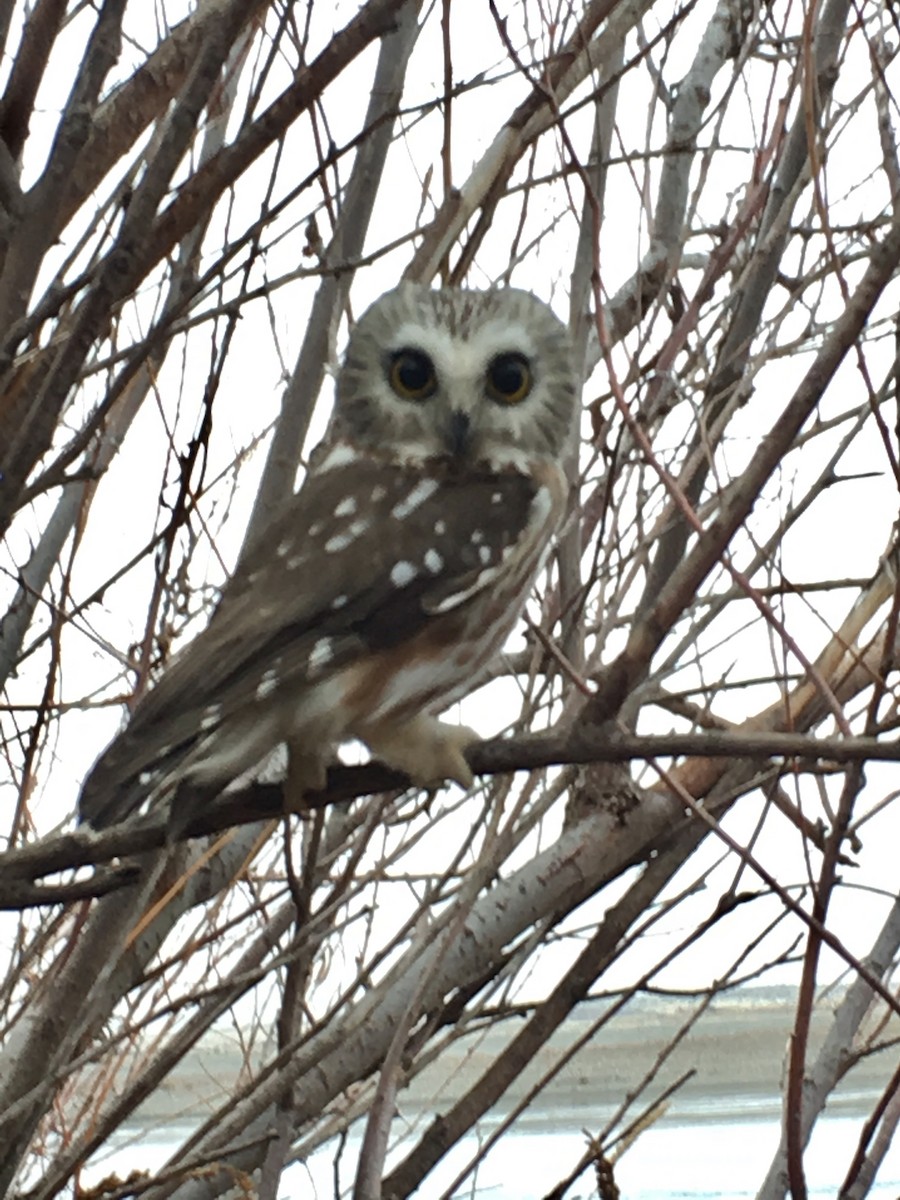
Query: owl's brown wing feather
{"points": [[364, 557]]}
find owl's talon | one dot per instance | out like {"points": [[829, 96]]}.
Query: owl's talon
{"points": [[427, 750]]}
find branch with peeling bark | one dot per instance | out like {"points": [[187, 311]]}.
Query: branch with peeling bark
{"points": [[266, 801]]}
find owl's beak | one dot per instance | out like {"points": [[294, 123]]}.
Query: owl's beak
{"points": [[459, 434]]}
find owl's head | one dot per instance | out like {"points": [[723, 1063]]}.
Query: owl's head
{"points": [[476, 378]]}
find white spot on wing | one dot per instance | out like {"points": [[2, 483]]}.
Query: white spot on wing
{"points": [[339, 602], [340, 541], [378, 493], [476, 537], [433, 562], [267, 684], [340, 455], [484, 554], [419, 494], [453, 601], [403, 573], [541, 505], [440, 527], [346, 507], [321, 653], [497, 498]]}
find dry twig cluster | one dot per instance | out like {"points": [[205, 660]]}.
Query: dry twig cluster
{"points": [[194, 202]]}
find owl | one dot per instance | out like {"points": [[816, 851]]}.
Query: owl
{"points": [[380, 594]]}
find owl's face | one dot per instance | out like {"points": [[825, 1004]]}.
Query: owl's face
{"points": [[475, 378]]}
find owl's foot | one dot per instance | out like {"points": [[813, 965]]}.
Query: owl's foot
{"points": [[425, 749]]}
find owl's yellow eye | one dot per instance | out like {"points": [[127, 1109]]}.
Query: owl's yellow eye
{"points": [[412, 375], [509, 378]]}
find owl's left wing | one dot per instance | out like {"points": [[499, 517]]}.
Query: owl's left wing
{"points": [[363, 558]]}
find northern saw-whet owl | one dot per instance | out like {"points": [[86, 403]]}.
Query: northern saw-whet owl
{"points": [[384, 588]]}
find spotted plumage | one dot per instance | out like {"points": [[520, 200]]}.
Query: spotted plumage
{"points": [[384, 589]]}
